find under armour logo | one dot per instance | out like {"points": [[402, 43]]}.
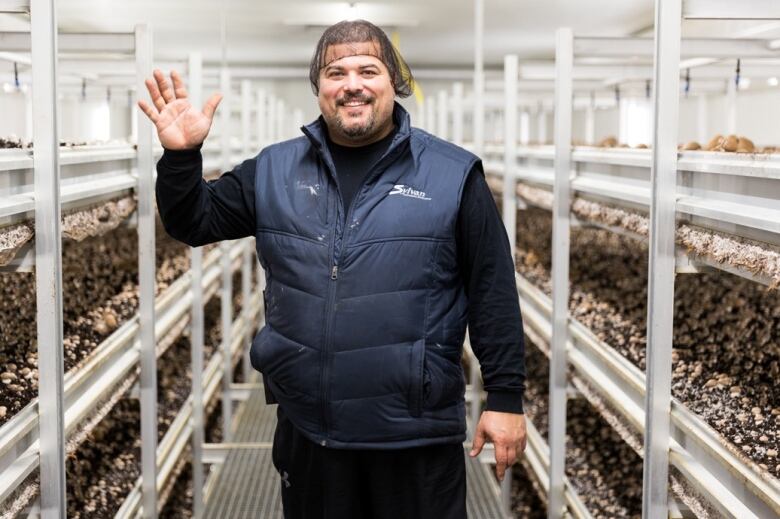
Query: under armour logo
{"points": [[285, 475]]}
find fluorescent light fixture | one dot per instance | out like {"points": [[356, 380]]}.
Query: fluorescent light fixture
{"points": [[772, 81], [349, 11], [744, 83]]}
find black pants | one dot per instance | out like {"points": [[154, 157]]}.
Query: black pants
{"points": [[324, 483]]}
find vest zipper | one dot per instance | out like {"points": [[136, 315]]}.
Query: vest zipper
{"points": [[330, 314]]}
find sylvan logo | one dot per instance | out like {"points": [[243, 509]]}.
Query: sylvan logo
{"points": [[400, 189]]}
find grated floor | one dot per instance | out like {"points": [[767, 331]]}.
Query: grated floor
{"points": [[248, 484]]}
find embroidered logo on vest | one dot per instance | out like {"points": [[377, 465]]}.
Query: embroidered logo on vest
{"points": [[401, 189]]}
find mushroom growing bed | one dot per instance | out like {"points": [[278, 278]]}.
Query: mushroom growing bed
{"points": [[726, 357], [604, 470], [100, 293]]}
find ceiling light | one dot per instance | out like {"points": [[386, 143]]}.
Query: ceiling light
{"points": [[744, 83], [772, 81]]}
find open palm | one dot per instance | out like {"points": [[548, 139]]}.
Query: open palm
{"points": [[180, 125]]}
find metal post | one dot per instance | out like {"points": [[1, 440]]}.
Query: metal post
{"points": [[479, 77], [660, 290], [262, 119], [272, 136], [509, 199], [48, 258], [246, 116], [197, 325], [227, 336], [525, 127], [590, 123], [457, 113], [224, 118], [564, 62], [441, 114], [246, 295], [227, 282], [731, 107], [541, 125], [146, 280]]}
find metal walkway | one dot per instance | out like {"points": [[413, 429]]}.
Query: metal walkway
{"points": [[247, 485]]}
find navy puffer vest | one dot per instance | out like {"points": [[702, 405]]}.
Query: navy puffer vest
{"points": [[365, 309]]}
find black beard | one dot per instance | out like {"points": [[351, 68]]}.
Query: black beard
{"points": [[357, 131]]}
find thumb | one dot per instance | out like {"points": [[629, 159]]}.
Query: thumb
{"points": [[479, 441], [211, 105]]}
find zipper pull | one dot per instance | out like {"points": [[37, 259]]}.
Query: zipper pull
{"points": [[334, 274]]}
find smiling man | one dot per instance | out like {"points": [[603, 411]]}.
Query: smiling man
{"points": [[380, 244]]}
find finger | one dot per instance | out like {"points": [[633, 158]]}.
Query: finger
{"points": [[211, 105], [165, 86], [479, 442], [154, 92], [511, 456], [501, 461], [178, 85], [150, 112]]}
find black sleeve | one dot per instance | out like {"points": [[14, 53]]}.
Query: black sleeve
{"points": [[198, 212], [488, 272]]}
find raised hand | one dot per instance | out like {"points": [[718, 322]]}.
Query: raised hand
{"points": [[180, 125]]}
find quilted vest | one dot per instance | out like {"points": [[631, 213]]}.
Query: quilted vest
{"points": [[364, 306]]}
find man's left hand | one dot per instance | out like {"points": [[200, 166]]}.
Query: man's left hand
{"points": [[506, 431]]}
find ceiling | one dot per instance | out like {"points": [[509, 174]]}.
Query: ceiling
{"points": [[432, 33]]}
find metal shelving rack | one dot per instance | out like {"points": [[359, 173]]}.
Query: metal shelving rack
{"points": [[734, 194], [36, 436]]}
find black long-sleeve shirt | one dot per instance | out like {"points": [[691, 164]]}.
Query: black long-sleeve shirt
{"points": [[197, 212]]}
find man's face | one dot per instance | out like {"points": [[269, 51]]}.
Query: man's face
{"points": [[356, 94]]}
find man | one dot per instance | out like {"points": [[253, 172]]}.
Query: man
{"points": [[380, 243]]}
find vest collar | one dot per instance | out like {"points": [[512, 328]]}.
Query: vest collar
{"points": [[315, 131]]}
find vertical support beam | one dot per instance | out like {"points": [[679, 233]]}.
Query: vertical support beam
{"points": [[246, 116], [541, 125], [246, 296], [227, 289], [48, 259], [479, 77], [660, 290], [262, 119], [564, 63], [146, 280], [28, 116], [590, 123], [226, 315], [509, 198], [224, 118], [525, 127], [731, 107], [702, 119], [442, 113], [457, 113], [197, 325], [271, 133]]}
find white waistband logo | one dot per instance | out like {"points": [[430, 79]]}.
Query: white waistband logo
{"points": [[401, 189]]}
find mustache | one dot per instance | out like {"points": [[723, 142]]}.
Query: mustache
{"points": [[350, 98]]}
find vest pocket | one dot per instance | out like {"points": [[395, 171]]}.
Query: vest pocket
{"points": [[416, 385]]}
